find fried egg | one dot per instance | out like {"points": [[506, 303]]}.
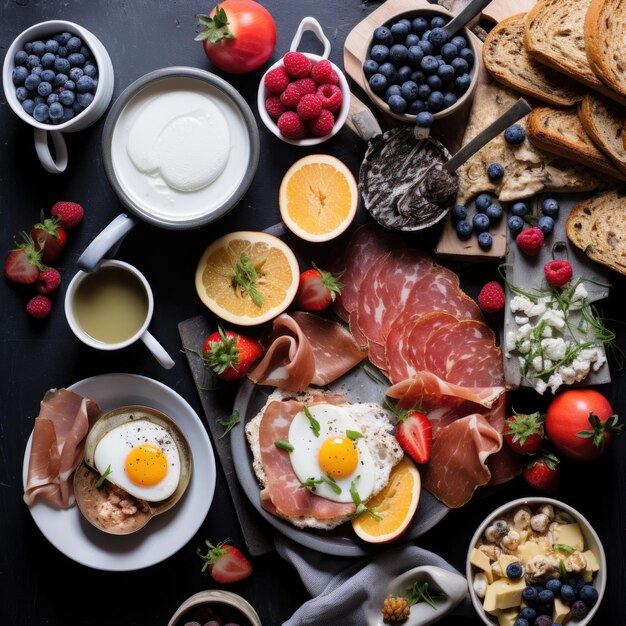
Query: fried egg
{"points": [[141, 458]]}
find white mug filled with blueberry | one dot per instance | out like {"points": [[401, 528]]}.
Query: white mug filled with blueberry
{"points": [[57, 76]]}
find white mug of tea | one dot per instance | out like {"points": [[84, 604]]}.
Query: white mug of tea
{"points": [[111, 308]]}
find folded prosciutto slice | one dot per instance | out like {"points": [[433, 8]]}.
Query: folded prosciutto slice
{"points": [[304, 350], [57, 446]]}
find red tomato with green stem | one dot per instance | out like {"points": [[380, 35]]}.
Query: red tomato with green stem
{"points": [[238, 36]]}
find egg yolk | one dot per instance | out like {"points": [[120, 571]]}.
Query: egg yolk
{"points": [[338, 457], [146, 465]]}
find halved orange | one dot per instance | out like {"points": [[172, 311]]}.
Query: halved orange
{"points": [[396, 504], [318, 197], [247, 278]]}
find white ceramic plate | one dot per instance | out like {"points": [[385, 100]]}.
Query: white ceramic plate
{"points": [[72, 535]]}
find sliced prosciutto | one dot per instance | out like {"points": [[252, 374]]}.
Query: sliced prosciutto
{"points": [[57, 446], [304, 350]]}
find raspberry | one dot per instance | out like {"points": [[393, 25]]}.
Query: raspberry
{"points": [[297, 65], [69, 214], [323, 72], [276, 80], [48, 281], [274, 107], [309, 107], [491, 297], [530, 241], [306, 85], [332, 99], [558, 273], [291, 126], [291, 96], [323, 125], [39, 307]]}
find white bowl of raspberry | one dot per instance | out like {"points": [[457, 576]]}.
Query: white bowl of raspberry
{"points": [[304, 98]]}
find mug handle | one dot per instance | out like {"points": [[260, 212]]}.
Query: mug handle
{"points": [[106, 242], [158, 351], [310, 23], [44, 154]]}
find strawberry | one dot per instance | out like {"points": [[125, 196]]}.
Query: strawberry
{"points": [[228, 355], [297, 65], [49, 280], [323, 72], [543, 472], [530, 240], [414, 432], [491, 297], [317, 289], [23, 264], [276, 80], [291, 126], [524, 432], [49, 237], [39, 307], [69, 214], [322, 125], [225, 562], [558, 273]]}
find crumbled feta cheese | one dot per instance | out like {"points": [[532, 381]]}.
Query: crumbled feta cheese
{"points": [[521, 319], [554, 348], [555, 318], [521, 303], [539, 385], [524, 346], [509, 342], [540, 363], [547, 331], [525, 331], [555, 381], [568, 374], [537, 309], [580, 293]]}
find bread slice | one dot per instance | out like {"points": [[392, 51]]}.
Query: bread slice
{"points": [[598, 227], [554, 35], [506, 59], [559, 131], [605, 41], [603, 121]]}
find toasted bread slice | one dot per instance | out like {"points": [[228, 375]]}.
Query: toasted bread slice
{"points": [[559, 131], [554, 36], [602, 120], [598, 227], [605, 42], [506, 59]]}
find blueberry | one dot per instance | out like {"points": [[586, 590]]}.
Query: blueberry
{"points": [[44, 89], [579, 609], [409, 90], [404, 74], [62, 66], [568, 594], [576, 581], [418, 77], [424, 119], [519, 208], [37, 71], [464, 229], [76, 59], [393, 90], [370, 67], [429, 64], [459, 212], [414, 55], [41, 113], [438, 36], [545, 597], [20, 58], [423, 91], [378, 83], [546, 224], [388, 70], [383, 35], [56, 112], [411, 40], [438, 22], [48, 76], [397, 104], [514, 135], [52, 46], [62, 52], [52, 98], [550, 206], [516, 225], [449, 99], [528, 613], [426, 36], [449, 86], [76, 73], [495, 171], [399, 30], [379, 53], [460, 66], [435, 101], [39, 100], [69, 85], [66, 98], [485, 240], [419, 25], [62, 38], [85, 52], [84, 99], [520, 621], [74, 44], [85, 84], [47, 60], [446, 72], [39, 48], [554, 585], [589, 595], [68, 113], [19, 75], [398, 54], [480, 222], [434, 82], [32, 61], [59, 80], [494, 213], [449, 51], [529, 594], [28, 47], [21, 93], [417, 106], [426, 47], [32, 82], [467, 55], [544, 620], [463, 82], [459, 41], [28, 106], [483, 200]]}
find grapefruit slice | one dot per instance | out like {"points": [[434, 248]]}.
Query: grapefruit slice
{"points": [[247, 278]]}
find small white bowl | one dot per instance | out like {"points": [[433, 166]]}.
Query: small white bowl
{"points": [[308, 23], [592, 542], [102, 96], [215, 597]]}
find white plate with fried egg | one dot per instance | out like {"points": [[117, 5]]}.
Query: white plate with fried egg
{"points": [[75, 537]]}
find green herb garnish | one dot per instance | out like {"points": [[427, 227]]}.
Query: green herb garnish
{"points": [[229, 423], [103, 477], [358, 503], [311, 483], [563, 548], [563, 571], [313, 423], [418, 592], [246, 278], [284, 445], [353, 434]]}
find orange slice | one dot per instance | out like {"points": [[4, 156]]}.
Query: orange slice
{"points": [[396, 504], [318, 197], [247, 278]]}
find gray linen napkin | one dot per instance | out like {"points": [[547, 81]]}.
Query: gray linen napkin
{"points": [[339, 586]]}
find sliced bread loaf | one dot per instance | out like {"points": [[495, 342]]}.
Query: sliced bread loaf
{"points": [[505, 57], [598, 227], [605, 41], [603, 121], [560, 131], [554, 36]]}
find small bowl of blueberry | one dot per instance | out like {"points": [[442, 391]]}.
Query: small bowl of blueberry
{"points": [[215, 608], [57, 77], [416, 71]]}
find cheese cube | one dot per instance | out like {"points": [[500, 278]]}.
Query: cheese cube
{"points": [[569, 535], [503, 594], [560, 611], [508, 618], [592, 565], [481, 561], [528, 550], [505, 560]]}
